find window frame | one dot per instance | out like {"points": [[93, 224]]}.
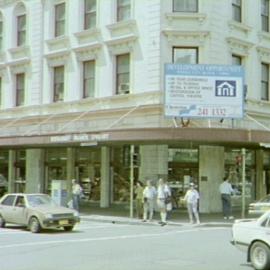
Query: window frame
{"points": [[196, 49], [20, 92], [237, 9], [265, 17], [185, 9], [57, 90], [59, 21], [118, 74], [122, 8], [21, 32], [86, 94], [90, 13], [238, 57], [264, 82]]}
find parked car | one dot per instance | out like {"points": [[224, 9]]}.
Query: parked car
{"points": [[36, 211], [253, 237], [259, 207]]}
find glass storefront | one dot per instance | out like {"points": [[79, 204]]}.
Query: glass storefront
{"points": [[55, 166], [20, 170], [182, 169], [233, 170]]}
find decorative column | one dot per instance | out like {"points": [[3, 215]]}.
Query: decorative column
{"points": [[211, 173], [11, 170], [154, 162], [34, 170], [105, 177], [70, 169], [260, 175]]}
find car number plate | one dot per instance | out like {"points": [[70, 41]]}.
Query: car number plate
{"points": [[63, 222]]}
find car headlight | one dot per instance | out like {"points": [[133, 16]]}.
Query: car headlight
{"points": [[48, 216]]}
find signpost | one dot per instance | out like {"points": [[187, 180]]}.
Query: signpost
{"points": [[204, 91]]}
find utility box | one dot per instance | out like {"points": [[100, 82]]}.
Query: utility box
{"points": [[59, 192]]}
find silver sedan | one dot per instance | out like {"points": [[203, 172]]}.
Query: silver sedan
{"points": [[36, 211]]}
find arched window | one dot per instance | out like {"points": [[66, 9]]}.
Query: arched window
{"points": [[20, 17]]}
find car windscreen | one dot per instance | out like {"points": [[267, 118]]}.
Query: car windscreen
{"points": [[39, 200]]}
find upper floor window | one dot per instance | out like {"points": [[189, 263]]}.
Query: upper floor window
{"points": [[90, 10], [1, 35], [185, 55], [89, 79], [59, 28], [1, 94], [58, 84], [265, 15], [237, 10], [20, 89], [122, 74], [185, 5], [265, 82], [21, 30], [236, 60], [123, 10]]}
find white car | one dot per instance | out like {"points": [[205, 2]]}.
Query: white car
{"points": [[253, 237], [259, 207]]}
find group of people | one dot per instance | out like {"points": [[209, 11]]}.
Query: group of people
{"points": [[148, 197]]}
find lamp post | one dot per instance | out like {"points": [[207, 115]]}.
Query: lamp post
{"points": [[243, 182], [131, 180]]}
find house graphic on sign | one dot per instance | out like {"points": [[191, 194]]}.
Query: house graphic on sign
{"points": [[225, 88]]}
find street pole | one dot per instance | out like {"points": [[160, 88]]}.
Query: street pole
{"points": [[131, 180], [243, 182]]}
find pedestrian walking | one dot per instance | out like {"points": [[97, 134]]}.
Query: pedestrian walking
{"points": [[192, 197], [163, 198], [139, 199], [149, 194], [76, 194], [226, 190]]}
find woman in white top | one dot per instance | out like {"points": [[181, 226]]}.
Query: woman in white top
{"points": [[149, 194], [163, 193], [192, 198]]}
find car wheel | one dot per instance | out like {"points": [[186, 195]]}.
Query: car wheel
{"points": [[68, 228], [2, 222], [34, 225], [260, 256]]}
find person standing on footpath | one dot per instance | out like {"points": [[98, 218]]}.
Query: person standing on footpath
{"points": [[163, 195], [76, 194], [192, 197], [149, 194], [226, 190], [139, 199]]}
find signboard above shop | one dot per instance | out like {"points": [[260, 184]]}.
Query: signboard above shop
{"points": [[204, 91]]}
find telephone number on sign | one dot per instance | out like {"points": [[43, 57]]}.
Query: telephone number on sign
{"points": [[212, 112]]}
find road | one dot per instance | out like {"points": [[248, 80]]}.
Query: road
{"points": [[108, 246]]}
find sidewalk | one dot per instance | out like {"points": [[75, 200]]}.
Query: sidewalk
{"points": [[120, 215]]}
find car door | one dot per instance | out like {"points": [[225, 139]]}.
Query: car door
{"points": [[6, 207], [19, 210]]}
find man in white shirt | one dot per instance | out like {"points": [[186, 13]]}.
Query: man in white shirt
{"points": [[192, 197], [226, 190], [149, 194]]}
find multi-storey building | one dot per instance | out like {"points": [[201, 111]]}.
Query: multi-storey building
{"points": [[83, 80]]}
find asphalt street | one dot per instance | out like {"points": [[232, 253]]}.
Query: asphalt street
{"points": [[108, 246]]}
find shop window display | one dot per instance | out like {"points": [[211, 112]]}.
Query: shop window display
{"points": [[183, 169], [233, 170]]}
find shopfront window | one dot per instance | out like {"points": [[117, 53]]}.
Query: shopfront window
{"points": [[56, 166], [183, 169], [20, 171], [87, 166], [3, 172], [233, 170]]}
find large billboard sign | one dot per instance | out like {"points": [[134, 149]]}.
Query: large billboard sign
{"points": [[204, 91]]}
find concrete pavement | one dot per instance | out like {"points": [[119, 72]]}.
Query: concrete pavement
{"points": [[177, 217]]}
